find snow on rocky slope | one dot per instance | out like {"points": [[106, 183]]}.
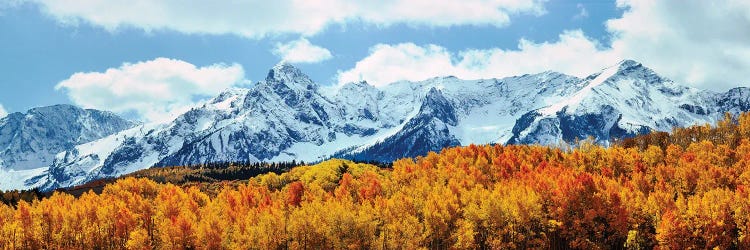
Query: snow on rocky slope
{"points": [[29, 141], [621, 101], [289, 117]]}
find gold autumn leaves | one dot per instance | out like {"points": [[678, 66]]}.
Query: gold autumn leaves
{"points": [[690, 189]]}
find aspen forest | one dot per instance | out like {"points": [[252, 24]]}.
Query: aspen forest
{"points": [[680, 190]]}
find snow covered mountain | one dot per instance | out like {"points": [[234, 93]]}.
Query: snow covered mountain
{"points": [[29, 141], [622, 101], [289, 117]]}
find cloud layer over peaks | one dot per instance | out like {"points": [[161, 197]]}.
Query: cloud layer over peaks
{"points": [[408, 61], [698, 43]]}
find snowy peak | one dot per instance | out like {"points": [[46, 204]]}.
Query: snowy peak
{"points": [[287, 83], [591, 82], [621, 70], [353, 87], [359, 90], [626, 63], [360, 101], [427, 131], [287, 75], [435, 105], [229, 100], [620, 101], [627, 80], [633, 69], [229, 94]]}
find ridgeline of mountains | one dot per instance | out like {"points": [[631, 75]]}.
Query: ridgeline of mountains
{"points": [[289, 117]]}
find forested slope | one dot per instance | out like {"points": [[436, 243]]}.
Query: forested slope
{"points": [[686, 190]]}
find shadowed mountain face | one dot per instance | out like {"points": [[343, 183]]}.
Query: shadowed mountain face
{"points": [[426, 131], [289, 117]]}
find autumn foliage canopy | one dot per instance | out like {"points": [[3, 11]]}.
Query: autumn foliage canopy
{"points": [[688, 189]]}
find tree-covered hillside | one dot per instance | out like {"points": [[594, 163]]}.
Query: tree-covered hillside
{"points": [[690, 189]]}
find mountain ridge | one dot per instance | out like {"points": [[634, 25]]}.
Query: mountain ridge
{"points": [[29, 141], [288, 117]]}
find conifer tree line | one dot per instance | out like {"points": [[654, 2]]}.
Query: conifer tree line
{"points": [[213, 171]]}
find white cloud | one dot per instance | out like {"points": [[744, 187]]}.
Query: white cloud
{"points": [[573, 54], [258, 18], [3, 112], [301, 51], [702, 43], [156, 90], [582, 12], [698, 43], [407, 61]]}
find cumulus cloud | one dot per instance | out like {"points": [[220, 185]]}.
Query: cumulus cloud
{"points": [[3, 112], [258, 18], [301, 51], [698, 43], [156, 90], [703, 43], [407, 61], [573, 54]]}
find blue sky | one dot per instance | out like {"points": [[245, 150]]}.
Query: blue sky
{"points": [[75, 53]]}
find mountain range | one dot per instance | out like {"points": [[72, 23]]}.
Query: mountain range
{"points": [[288, 117], [29, 141]]}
